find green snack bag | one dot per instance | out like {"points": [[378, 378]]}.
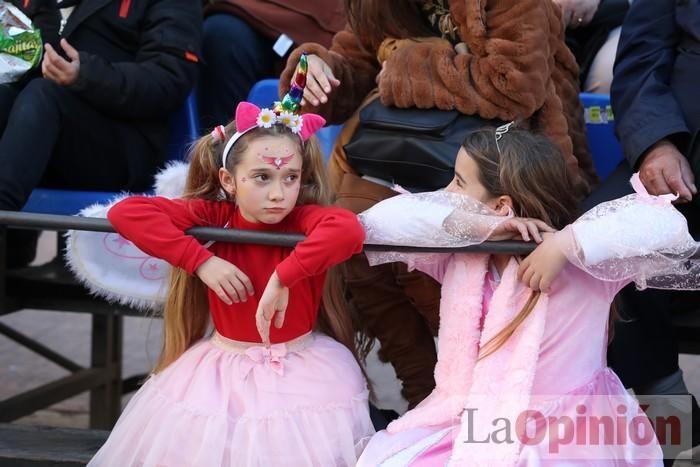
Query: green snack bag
{"points": [[20, 44]]}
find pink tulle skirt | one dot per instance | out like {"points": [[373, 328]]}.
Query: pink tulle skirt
{"points": [[431, 446], [224, 403]]}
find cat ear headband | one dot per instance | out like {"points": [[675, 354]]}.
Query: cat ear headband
{"points": [[249, 116]]}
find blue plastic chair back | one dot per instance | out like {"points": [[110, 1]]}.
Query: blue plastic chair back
{"points": [[264, 93], [184, 130], [600, 130]]}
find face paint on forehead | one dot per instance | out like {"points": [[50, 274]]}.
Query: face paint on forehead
{"points": [[277, 155], [277, 162]]}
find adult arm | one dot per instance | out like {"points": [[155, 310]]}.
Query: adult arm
{"points": [[352, 63], [646, 111]]}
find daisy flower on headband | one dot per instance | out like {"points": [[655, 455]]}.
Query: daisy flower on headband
{"points": [[297, 121], [266, 118], [285, 118]]}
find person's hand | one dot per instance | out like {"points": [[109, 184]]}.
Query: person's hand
{"points": [[319, 81], [665, 170], [539, 269], [576, 13], [273, 304], [56, 68], [520, 228], [228, 282]]}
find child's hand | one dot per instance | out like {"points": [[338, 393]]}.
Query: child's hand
{"points": [[522, 228], [319, 82], [229, 283], [273, 303], [543, 265]]}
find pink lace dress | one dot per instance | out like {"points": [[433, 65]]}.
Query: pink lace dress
{"points": [[547, 396]]}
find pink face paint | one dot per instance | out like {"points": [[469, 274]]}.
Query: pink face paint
{"points": [[277, 162]]}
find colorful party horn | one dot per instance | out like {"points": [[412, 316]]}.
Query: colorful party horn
{"points": [[292, 100]]}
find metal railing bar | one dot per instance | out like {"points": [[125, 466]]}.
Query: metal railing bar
{"points": [[28, 220]]}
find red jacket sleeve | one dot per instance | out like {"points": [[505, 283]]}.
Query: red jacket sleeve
{"points": [[332, 236], [157, 226]]}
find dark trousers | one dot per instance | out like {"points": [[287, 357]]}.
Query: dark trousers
{"points": [[53, 138], [236, 56]]}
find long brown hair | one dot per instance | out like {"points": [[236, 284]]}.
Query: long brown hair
{"points": [[530, 169], [372, 21], [186, 312]]}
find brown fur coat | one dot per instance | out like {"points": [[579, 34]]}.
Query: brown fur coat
{"points": [[517, 67]]}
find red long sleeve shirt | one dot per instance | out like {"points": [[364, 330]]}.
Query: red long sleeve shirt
{"points": [[156, 225]]}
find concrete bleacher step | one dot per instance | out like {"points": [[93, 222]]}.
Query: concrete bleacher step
{"points": [[36, 446]]}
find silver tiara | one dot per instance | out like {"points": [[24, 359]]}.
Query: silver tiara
{"points": [[502, 130]]}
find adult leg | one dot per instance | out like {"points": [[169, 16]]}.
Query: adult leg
{"points": [[22, 242], [8, 93], [53, 135], [385, 309], [236, 56]]}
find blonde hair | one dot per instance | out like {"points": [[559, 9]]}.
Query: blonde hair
{"points": [[531, 170], [186, 311]]}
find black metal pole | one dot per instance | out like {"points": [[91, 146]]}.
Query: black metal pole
{"points": [[28, 220]]}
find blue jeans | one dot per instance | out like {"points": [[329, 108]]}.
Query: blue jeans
{"points": [[236, 56]]}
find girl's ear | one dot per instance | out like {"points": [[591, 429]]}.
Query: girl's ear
{"points": [[504, 205], [228, 183]]}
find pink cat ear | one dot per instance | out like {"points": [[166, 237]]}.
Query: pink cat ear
{"points": [[246, 116], [311, 124]]}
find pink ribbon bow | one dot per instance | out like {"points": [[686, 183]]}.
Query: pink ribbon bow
{"points": [[269, 356], [644, 195]]}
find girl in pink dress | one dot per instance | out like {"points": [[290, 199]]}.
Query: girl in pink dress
{"points": [[263, 389], [521, 374]]}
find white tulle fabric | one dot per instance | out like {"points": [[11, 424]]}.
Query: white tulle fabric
{"points": [[217, 406], [433, 219], [640, 238]]}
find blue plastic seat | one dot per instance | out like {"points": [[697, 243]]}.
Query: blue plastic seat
{"points": [[600, 129], [184, 130]]}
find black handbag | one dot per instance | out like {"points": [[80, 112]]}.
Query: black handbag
{"points": [[415, 148]]}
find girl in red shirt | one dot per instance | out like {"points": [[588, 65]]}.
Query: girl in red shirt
{"points": [[263, 389]]}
